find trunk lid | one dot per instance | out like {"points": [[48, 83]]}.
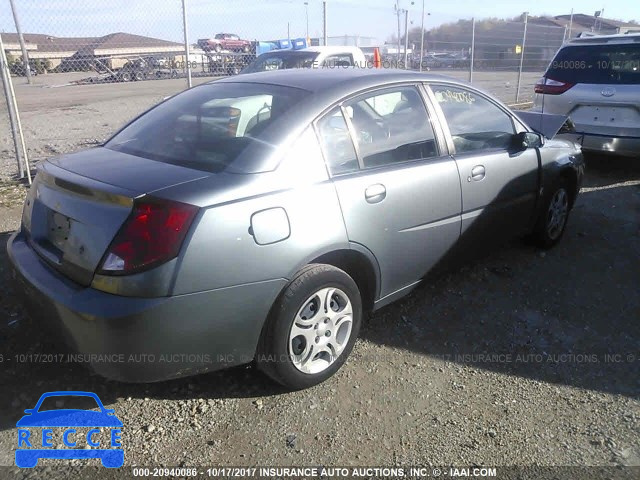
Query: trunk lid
{"points": [[78, 203]]}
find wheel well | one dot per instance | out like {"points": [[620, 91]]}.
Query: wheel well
{"points": [[571, 178], [357, 267]]}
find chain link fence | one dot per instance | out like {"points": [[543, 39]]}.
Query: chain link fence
{"points": [[92, 62]]}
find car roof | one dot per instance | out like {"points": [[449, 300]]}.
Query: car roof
{"points": [[622, 38], [339, 81]]}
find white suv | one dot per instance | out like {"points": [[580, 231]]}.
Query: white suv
{"points": [[596, 82]]}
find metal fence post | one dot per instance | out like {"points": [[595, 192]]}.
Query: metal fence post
{"points": [[324, 23], [186, 43], [14, 116], [473, 48], [25, 57], [524, 40]]}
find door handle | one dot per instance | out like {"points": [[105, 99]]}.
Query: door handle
{"points": [[375, 193], [477, 173]]}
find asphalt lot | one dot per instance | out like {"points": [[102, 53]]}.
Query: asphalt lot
{"points": [[524, 357]]}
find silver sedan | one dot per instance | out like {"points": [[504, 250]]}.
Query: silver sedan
{"points": [[259, 218]]}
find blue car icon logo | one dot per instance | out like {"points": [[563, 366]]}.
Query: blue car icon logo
{"points": [[32, 447]]}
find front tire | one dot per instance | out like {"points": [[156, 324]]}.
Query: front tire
{"points": [[553, 219], [312, 327]]}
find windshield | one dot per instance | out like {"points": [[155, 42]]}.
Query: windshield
{"points": [[207, 127], [281, 61], [597, 64]]}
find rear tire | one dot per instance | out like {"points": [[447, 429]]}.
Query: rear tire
{"points": [[125, 77], [553, 219], [312, 327]]}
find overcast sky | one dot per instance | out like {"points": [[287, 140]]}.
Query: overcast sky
{"points": [[269, 19]]}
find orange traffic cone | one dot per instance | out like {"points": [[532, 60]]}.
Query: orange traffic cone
{"points": [[377, 61]]}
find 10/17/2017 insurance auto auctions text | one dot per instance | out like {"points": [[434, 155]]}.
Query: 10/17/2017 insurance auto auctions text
{"points": [[317, 472]]}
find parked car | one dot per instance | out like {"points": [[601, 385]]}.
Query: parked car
{"points": [[445, 60], [310, 57], [258, 217], [596, 81], [18, 69], [225, 41]]}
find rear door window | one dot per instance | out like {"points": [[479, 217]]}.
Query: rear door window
{"points": [[392, 126], [597, 64]]}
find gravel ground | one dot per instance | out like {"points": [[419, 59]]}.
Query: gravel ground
{"points": [[522, 358]]}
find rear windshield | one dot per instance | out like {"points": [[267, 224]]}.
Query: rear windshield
{"points": [[210, 126], [282, 61], [599, 64]]}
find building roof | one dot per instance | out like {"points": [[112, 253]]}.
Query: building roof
{"points": [[87, 45]]}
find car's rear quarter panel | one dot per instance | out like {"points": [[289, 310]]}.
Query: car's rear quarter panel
{"points": [[222, 252]]}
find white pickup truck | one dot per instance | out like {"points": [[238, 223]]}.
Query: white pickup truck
{"points": [[310, 57]]}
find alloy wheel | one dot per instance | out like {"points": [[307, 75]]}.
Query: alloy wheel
{"points": [[321, 330]]}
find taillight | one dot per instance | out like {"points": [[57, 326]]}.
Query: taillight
{"points": [[549, 86], [152, 234]]}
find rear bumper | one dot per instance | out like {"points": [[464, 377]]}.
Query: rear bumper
{"points": [[145, 339], [623, 146]]}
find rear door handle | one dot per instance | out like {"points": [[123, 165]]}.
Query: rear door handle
{"points": [[375, 193], [477, 173]]}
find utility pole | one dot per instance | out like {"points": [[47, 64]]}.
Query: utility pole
{"points": [[25, 57], [324, 17], [422, 37], [398, 15], [406, 37], [306, 12]]}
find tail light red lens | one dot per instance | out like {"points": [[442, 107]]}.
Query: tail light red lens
{"points": [[152, 235], [549, 86]]}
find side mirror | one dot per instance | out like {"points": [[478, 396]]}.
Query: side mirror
{"points": [[524, 140], [29, 411]]}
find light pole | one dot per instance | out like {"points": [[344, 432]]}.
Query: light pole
{"points": [[406, 37], [398, 15], [306, 11]]}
